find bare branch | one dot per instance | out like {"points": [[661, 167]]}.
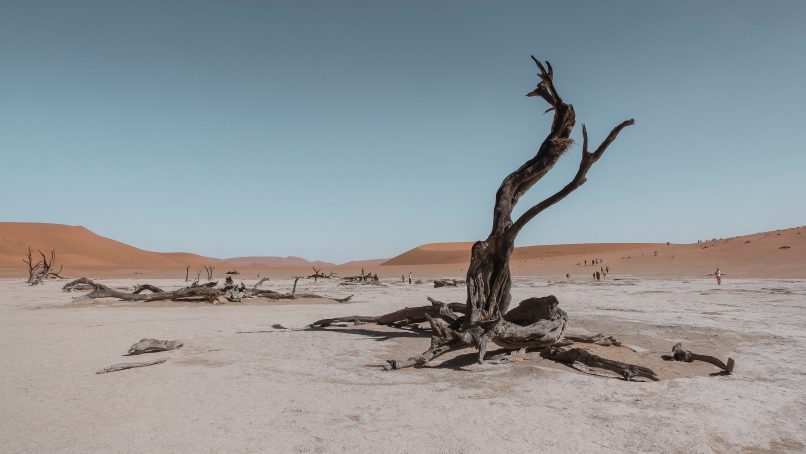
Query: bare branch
{"points": [[586, 162]]}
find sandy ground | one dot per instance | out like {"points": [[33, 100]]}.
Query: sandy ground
{"points": [[252, 378]]}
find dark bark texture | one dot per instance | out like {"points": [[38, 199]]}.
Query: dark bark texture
{"points": [[538, 321]]}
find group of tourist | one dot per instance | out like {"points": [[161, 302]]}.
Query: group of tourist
{"points": [[595, 262], [601, 274]]}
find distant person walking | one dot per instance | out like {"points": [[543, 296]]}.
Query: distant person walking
{"points": [[586, 262], [718, 275], [409, 278], [568, 275], [598, 276], [403, 278]]}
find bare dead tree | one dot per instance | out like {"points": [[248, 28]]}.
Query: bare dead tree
{"points": [[296, 279], [43, 268], [318, 274], [535, 322], [488, 275], [209, 270], [187, 273]]}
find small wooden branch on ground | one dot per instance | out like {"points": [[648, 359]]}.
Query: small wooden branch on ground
{"points": [[124, 366]]}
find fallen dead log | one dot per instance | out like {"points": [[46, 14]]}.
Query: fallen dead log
{"points": [[679, 354], [151, 288], [203, 292], [578, 355], [124, 366], [186, 294], [153, 346]]}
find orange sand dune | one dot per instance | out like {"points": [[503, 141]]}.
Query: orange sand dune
{"points": [[447, 253], [271, 261], [776, 254], [78, 247]]}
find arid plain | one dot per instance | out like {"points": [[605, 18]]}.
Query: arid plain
{"points": [[255, 377]]}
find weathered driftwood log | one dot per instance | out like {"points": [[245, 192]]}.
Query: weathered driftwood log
{"points": [[262, 280], [153, 345], [198, 293], [403, 317], [187, 294], [151, 288], [488, 275], [678, 354], [124, 366], [447, 283], [628, 371]]}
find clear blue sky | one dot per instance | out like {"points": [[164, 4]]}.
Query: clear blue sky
{"points": [[349, 130]]}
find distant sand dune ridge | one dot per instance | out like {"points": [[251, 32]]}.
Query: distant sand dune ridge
{"points": [[774, 254]]}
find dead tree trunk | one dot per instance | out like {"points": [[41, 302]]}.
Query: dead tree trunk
{"points": [[42, 269], [488, 275]]}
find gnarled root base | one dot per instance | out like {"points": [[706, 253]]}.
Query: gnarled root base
{"points": [[678, 354], [535, 323]]}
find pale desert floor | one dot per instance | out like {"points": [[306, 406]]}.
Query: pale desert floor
{"points": [[252, 378]]}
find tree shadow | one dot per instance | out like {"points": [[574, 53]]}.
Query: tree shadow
{"points": [[376, 335]]}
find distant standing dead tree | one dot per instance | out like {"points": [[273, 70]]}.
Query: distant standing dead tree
{"points": [[41, 269], [209, 270], [318, 274]]}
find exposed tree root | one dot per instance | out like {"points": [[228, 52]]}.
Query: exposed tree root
{"points": [[678, 354], [187, 293], [628, 371]]}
